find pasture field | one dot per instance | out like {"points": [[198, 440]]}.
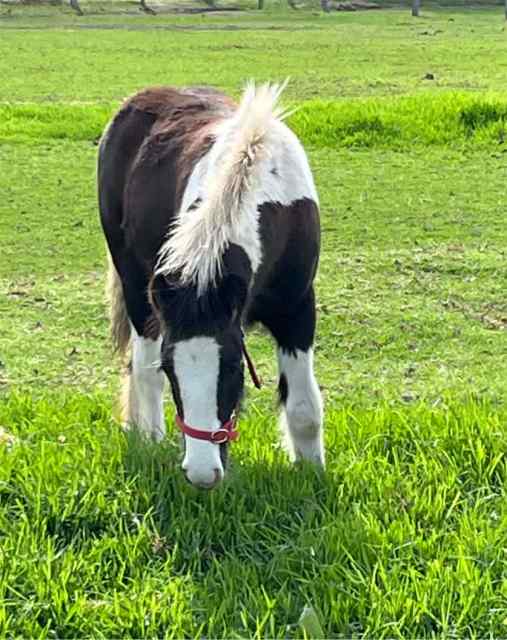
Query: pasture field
{"points": [[405, 533]]}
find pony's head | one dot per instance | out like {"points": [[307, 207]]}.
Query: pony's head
{"points": [[204, 273], [202, 356]]}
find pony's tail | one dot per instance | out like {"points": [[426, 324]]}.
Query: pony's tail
{"points": [[197, 242], [119, 320]]}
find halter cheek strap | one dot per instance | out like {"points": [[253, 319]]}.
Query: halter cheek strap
{"points": [[251, 367]]}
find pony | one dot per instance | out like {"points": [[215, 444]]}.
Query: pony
{"points": [[211, 220]]}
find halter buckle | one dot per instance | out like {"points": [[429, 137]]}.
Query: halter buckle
{"points": [[220, 436]]}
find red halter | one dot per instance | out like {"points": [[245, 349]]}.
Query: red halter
{"points": [[251, 367], [227, 431]]}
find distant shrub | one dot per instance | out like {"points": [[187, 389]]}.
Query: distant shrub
{"points": [[481, 114]]}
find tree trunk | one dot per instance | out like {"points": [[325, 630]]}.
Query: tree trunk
{"points": [[146, 8], [75, 5], [324, 5], [416, 5], [260, 4], [506, 9]]}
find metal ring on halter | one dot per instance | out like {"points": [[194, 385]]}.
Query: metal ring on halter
{"points": [[220, 436]]}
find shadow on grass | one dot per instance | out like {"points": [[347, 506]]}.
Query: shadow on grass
{"points": [[412, 496], [271, 530], [262, 509]]}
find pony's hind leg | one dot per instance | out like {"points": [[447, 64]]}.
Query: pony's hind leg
{"points": [[143, 381], [302, 412], [143, 390]]}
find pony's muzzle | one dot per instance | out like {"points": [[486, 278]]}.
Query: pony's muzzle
{"points": [[204, 480], [202, 464]]}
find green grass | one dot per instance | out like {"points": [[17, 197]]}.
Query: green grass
{"points": [[443, 119], [327, 56], [404, 535], [408, 276]]}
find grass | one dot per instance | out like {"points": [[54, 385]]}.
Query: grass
{"points": [[429, 257], [404, 534], [456, 119], [342, 55]]}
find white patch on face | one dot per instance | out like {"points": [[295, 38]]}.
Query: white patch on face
{"points": [[146, 387], [302, 415], [196, 366]]}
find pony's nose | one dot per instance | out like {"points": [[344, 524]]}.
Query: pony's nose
{"points": [[202, 479]]}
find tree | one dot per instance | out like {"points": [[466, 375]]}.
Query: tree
{"points": [[146, 8], [75, 5]]}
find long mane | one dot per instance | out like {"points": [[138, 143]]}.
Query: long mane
{"points": [[227, 211]]}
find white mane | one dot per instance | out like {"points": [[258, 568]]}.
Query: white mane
{"points": [[228, 211]]}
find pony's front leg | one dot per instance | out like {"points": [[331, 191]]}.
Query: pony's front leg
{"points": [[301, 416], [144, 388]]}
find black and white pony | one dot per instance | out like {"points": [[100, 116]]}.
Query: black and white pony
{"points": [[211, 218]]}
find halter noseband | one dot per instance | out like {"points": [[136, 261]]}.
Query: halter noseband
{"points": [[227, 431]]}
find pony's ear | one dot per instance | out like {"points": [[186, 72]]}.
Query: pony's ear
{"points": [[160, 293], [233, 292]]}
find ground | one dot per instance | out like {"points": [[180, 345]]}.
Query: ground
{"points": [[404, 534]]}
